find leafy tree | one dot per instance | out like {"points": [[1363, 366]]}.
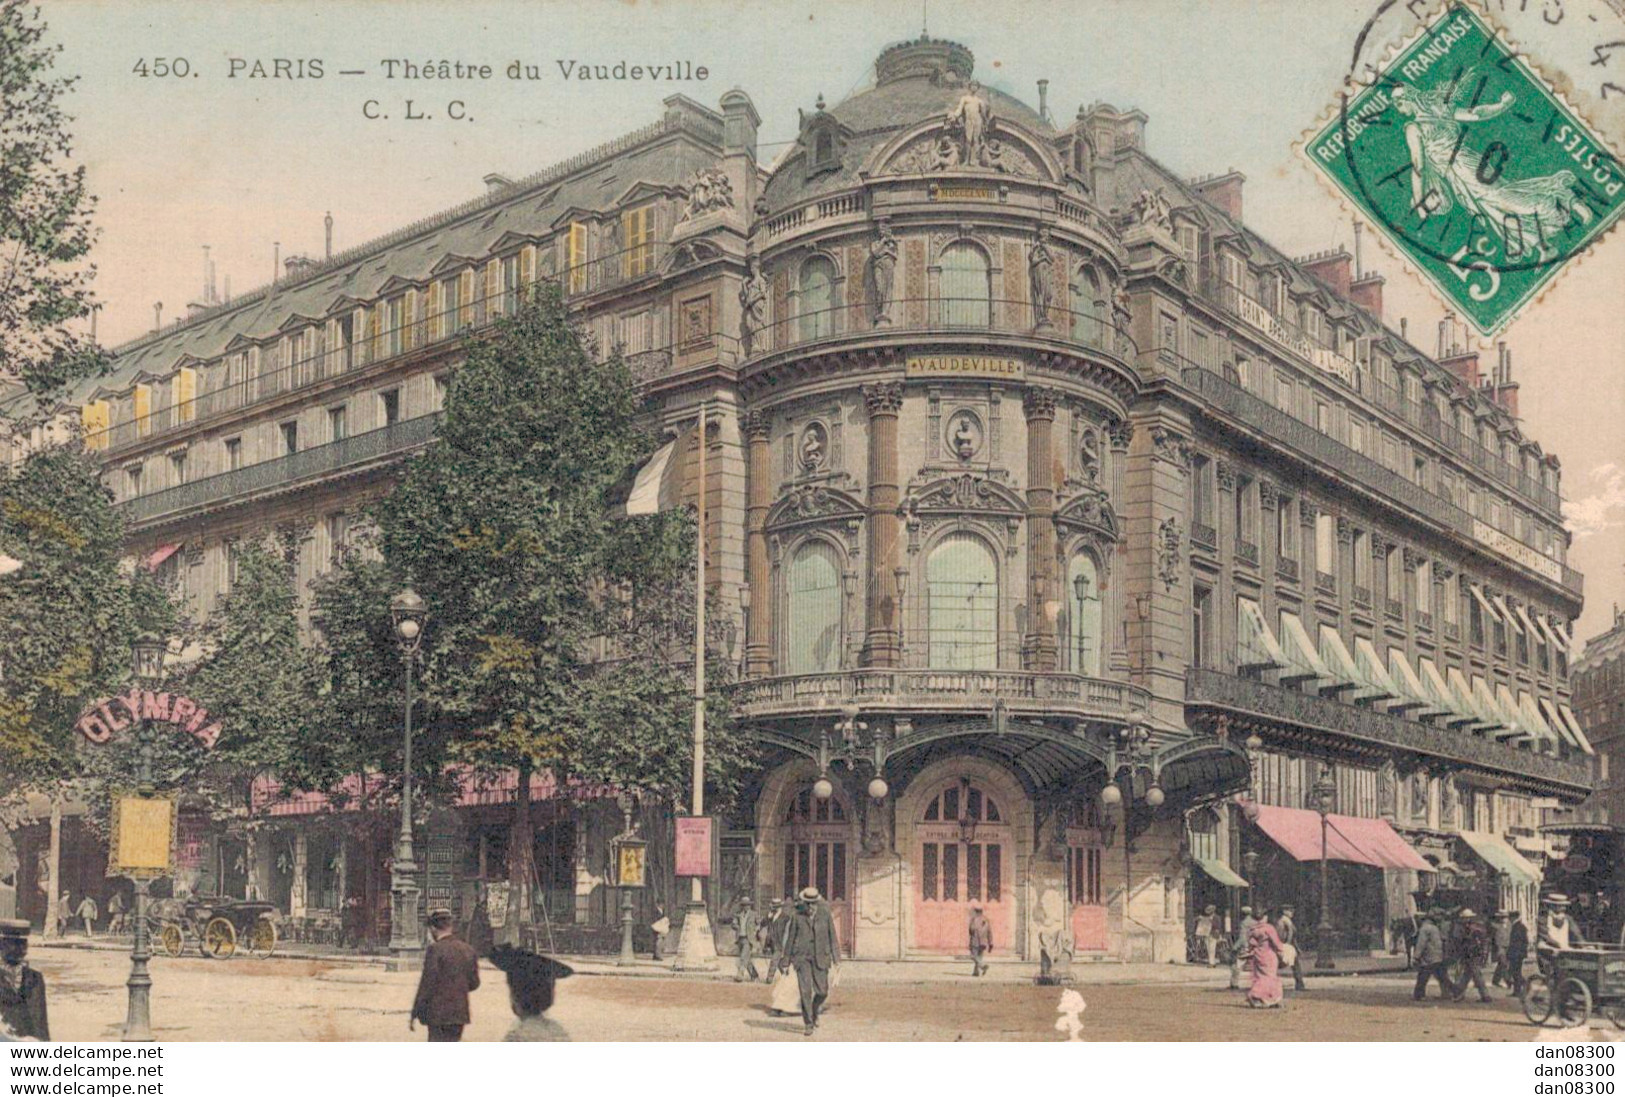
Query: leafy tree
{"points": [[45, 230]]}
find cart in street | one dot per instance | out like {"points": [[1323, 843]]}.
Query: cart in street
{"points": [[218, 924], [1574, 983]]}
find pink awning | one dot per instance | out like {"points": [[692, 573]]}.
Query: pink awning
{"points": [[1348, 838], [270, 798], [158, 556]]}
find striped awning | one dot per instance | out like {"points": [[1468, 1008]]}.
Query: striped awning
{"points": [[1259, 649], [1453, 716], [1220, 872], [1376, 675], [1306, 662], [1344, 674], [1574, 726], [1506, 614]]}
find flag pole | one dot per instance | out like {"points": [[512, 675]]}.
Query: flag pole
{"points": [[696, 947]]}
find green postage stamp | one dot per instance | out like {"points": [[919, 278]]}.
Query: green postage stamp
{"points": [[1476, 170]]}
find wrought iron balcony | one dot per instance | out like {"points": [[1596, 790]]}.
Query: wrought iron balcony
{"points": [[1256, 700], [1362, 596], [1396, 608], [1247, 552], [1204, 537], [880, 689], [1325, 582], [353, 454], [1287, 568]]}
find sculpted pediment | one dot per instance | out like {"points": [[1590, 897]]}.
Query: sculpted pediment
{"points": [[996, 147], [813, 503], [966, 491], [1090, 510]]}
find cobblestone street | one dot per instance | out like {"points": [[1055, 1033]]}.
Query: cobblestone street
{"points": [[290, 999]]}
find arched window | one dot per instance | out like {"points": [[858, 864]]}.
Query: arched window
{"points": [[817, 298], [966, 288], [962, 800], [807, 808], [1084, 626], [962, 604], [814, 637], [1089, 307]]}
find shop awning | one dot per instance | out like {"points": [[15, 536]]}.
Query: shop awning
{"points": [[1556, 721], [1370, 665], [1501, 857], [1559, 637], [1547, 630], [1497, 722], [1345, 676], [1414, 696], [1483, 602], [1306, 662], [1260, 650], [1533, 720], [1220, 872], [1506, 614], [1574, 726], [1466, 703], [1529, 626], [1441, 693], [156, 558], [1348, 838], [1515, 718]]}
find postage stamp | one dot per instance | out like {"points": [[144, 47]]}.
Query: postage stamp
{"points": [[1475, 169]]}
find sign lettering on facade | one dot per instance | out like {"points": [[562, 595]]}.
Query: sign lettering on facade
{"points": [[694, 846], [1002, 367], [1324, 358], [1522, 553], [99, 722], [951, 193]]}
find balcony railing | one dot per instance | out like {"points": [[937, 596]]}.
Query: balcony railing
{"points": [[1203, 536], [1396, 608], [1327, 452], [1247, 552], [1320, 354], [1362, 596], [374, 447], [1028, 693], [1297, 709], [1325, 582], [1287, 568]]}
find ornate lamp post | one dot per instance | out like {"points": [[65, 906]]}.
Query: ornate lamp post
{"points": [[1135, 747], [1323, 797], [628, 853], [147, 664], [405, 941]]}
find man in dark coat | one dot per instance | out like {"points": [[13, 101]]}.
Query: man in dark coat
{"points": [[22, 989], [1517, 952], [451, 972], [809, 945], [981, 940], [1475, 953], [745, 926]]}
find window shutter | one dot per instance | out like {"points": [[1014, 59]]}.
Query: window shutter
{"points": [[183, 392], [141, 408], [409, 319], [465, 299], [527, 269], [96, 416], [376, 331], [493, 287]]}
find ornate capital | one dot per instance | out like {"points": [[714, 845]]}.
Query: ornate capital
{"points": [[1443, 573], [1227, 475], [1345, 530], [1308, 513], [1268, 494], [1122, 433], [883, 398], [1167, 445], [1380, 547], [1464, 584], [1038, 403], [1412, 558], [756, 425]]}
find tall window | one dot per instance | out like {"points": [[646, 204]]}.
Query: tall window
{"points": [[1089, 308], [637, 236], [510, 284], [1244, 527], [1362, 559], [962, 604], [1084, 626], [1286, 528], [814, 639], [395, 324], [1422, 598], [817, 298], [575, 256], [966, 289], [337, 423], [1326, 543], [234, 454], [1201, 490], [1201, 622]]}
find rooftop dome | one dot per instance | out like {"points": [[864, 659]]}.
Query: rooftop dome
{"points": [[914, 81]]}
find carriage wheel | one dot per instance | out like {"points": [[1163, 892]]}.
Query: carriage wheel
{"points": [[1614, 1013], [262, 937], [1573, 1003], [171, 938], [219, 939], [1537, 1000]]}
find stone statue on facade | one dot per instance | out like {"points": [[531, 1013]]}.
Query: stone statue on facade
{"points": [[878, 275], [710, 190], [752, 303], [812, 448], [1041, 280], [972, 116], [1122, 317], [1152, 208]]}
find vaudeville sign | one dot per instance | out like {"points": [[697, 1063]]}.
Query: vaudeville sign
{"points": [[100, 721]]}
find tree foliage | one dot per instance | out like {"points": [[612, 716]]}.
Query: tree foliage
{"points": [[45, 211]]}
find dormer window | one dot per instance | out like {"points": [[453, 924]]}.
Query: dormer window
{"points": [[823, 149]]}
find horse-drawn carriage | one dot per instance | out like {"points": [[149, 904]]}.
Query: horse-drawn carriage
{"points": [[218, 924], [1574, 981]]}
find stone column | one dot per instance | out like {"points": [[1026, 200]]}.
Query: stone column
{"points": [[759, 622], [1043, 595], [884, 401]]}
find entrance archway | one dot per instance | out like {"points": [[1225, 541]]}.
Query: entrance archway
{"points": [[963, 857], [808, 842]]}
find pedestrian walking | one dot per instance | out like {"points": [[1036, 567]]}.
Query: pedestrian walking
{"points": [[64, 914], [1208, 932], [22, 989], [87, 914], [1287, 930], [531, 980], [1500, 939], [115, 913], [826, 918], [786, 996], [1264, 949], [1239, 945], [745, 938], [1475, 952], [1430, 959], [451, 972], [981, 939], [661, 927], [1517, 952], [809, 948]]}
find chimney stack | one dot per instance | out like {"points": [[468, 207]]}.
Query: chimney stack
{"points": [[158, 316], [1224, 191], [298, 266], [1404, 325], [327, 223], [1332, 267], [1043, 101], [1455, 355], [495, 182], [276, 260], [1359, 268], [1505, 392]]}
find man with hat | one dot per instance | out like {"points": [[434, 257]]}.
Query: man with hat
{"points": [[451, 972], [1517, 951], [809, 946], [745, 938], [1239, 945], [531, 978], [981, 939], [1287, 929], [1556, 928], [1500, 938], [22, 989], [1474, 951], [1430, 958]]}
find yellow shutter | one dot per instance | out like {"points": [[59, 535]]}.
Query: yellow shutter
{"points": [[183, 392], [141, 409], [637, 232], [527, 269], [434, 321], [95, 417], [409, 319], [493, 287], [376, 343], [575, 257], [465, 299]]}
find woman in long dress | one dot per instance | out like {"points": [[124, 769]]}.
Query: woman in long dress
{"points": [[1264, 950]]}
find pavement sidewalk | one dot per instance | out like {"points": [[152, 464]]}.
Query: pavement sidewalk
{"points": [[1103, 972]]}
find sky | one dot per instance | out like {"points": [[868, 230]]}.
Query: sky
{"points": [[242, 163]]}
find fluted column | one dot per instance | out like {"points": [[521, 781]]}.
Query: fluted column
{"points": [[759, 624], [880, 646], [1038, 646]]}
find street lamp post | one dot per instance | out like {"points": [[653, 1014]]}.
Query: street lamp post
{"points": [[405, 940], [1325, 799], [628, 955], [1135, 745], [148, 666]]}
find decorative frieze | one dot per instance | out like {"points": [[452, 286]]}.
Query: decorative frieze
{"points": [[1226, 474], [1268, 494]]}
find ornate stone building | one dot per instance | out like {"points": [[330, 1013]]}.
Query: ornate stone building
{"points": [[1072, 530]]}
